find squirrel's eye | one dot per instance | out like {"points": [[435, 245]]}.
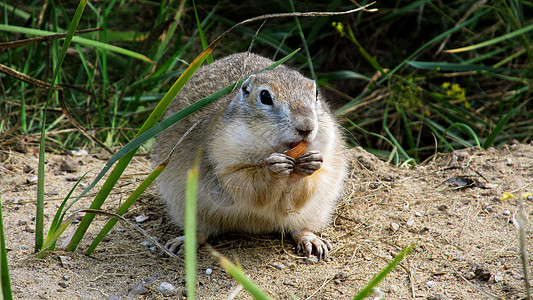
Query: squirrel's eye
{"points": [[317, 95], [265, 97]]}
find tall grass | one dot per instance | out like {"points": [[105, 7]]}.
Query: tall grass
{"points": [[429, 45], [5, 281]]}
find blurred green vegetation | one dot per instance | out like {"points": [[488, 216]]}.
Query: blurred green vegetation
{"points": [[398, 90]]}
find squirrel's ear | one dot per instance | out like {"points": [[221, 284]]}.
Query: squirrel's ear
{"points": [[246, 87]]}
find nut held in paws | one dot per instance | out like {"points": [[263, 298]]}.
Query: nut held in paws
{"points": [[297, 151]]}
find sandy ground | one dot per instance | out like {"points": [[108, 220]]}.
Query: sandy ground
{"points": [[466, 239]]}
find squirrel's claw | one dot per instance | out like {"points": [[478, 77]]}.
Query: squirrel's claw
{"points": [[309, 162], [309, 243], [175, 245], [280, 164]]}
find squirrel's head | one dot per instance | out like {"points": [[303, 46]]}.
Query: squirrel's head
{"points": [[284, 102]]}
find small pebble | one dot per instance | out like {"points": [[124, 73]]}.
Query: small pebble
{"points": [[148, 280], [311, 260], [73, 178], [29, 229], [167, 289], [63, 284], [141, 219], [65, 261], [498, 277], [78, 153], [278, 266], [509, 162], [417, 214], [23, 222], [490, 185], [65, 277], [530, 197], [489, 208], [506, 212], [459, 259], [32, 180], [208, 271], [292, 266], [137, 290], [27, 169], [68, 165], [393, 288], [410, 222], [470, 275], [430, 283], [394, 226], [52, 193]]}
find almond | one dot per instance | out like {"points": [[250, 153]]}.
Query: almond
{"points": [[297, 151]]}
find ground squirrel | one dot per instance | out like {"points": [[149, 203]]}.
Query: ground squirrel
{"points": [[247, 183]]}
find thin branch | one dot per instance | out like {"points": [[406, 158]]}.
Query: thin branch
{"points": [[45, 38]]}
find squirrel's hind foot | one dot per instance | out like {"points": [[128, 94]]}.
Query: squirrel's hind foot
{"points": [[176, 245], [309, 243]]}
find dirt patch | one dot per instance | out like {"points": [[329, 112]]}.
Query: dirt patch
{"points": [[466, 240]]}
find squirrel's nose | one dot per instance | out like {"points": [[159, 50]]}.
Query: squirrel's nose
{"points": [[304, 133]]}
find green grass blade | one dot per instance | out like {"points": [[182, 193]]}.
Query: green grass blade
{"points": [[126, 205], [304, 43], [50, 242], [494, 40], [201, 33], [469, 130], [378, 278], [190, 226], [77, 39], [407, 128], [376, 135], [241, 278], [60, 213], [39, 215], [459, 67], [499, 127], [343, 74], [391, 136], [5, 282]]}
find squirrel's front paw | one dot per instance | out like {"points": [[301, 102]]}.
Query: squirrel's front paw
{"points": [[309, 162], [280, 164]]}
